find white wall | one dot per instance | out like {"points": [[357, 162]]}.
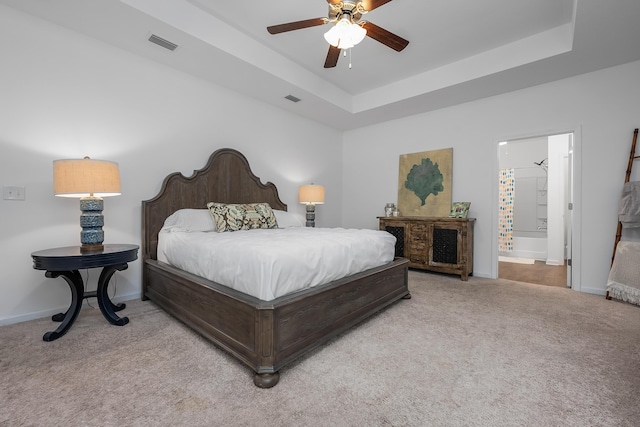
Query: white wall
{"points": [[63, 95], [602, 107]]}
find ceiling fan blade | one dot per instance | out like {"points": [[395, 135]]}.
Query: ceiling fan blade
{"points": [[369, 5], [297, 25], [385, 37], [332, 57]]}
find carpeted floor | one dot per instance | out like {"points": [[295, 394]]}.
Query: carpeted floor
{"points": [[476, 353]]}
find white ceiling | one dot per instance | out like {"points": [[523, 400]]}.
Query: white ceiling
{"points": [[459, 50]]}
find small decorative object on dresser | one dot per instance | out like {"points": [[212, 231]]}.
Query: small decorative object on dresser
{"points": [[444, 245], [389, 208], [459, 209]]}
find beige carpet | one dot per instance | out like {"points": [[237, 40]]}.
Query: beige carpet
{"points": [[476, 353]]}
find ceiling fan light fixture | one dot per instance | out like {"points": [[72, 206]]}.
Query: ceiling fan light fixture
{"points": [[347, 28], [358, 33], [345, 34]]}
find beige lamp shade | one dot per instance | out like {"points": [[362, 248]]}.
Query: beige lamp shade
{"points": [[311, 194], [85, 177]]}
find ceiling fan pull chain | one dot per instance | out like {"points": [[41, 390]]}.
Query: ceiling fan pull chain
{"points": [[349, 58]]}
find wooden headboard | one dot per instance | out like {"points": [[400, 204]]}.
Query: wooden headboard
{"points": [[226, 178]]}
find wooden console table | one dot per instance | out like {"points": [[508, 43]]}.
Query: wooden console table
{"points": [[444, 245], [65, 262]]}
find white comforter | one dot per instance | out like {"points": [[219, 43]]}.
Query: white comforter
{"points": [[271, 263]]}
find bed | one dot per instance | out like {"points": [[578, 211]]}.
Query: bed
{"points": [[264, 335]]}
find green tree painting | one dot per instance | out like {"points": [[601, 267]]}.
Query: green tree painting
{"points": [[425, 179], [424, 183]]}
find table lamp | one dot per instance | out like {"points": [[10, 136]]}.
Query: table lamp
{"points": [[90, 180], [311, 195]]}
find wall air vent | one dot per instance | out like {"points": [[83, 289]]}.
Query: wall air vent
{"points": [[162, 42], [292, 98]]}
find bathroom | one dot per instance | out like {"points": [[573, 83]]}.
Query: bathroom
{"points": [[535, 191]]}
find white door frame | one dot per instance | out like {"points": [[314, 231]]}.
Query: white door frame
{"points": [[576, 223]]}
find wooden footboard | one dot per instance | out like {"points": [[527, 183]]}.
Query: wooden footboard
{"points": [[266, 335]]}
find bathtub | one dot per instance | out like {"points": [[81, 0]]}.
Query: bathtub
{"points": [[529, 247]]}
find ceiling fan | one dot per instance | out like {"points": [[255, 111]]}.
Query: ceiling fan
{"points": [[346, 14]]}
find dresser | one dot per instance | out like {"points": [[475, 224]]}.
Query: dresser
{"points": [[444, 245]]}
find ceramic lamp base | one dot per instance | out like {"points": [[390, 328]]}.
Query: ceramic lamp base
{"points": [[91, 221], [311, 215]]}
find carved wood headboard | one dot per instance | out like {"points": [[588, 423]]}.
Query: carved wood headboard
{"points": [[226, 178]]}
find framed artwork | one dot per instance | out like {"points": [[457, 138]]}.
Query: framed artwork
{"points": [[424, 183], [459, 210]]}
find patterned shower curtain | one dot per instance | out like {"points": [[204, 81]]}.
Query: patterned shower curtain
{"points": [[505, 219]]}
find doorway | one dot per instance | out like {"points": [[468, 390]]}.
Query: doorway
{"points": [[535, 203]]}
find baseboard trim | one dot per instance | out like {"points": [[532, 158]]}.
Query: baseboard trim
{"points": [[50, 312], [596, 291]]}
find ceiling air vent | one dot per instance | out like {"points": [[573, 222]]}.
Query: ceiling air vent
{"points": [[162, 42], [292, 98]]}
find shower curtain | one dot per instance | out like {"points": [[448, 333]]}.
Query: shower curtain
{"points": [[505, 219]]}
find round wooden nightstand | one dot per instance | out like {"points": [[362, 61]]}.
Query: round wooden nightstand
{"points": [[65, 262]]}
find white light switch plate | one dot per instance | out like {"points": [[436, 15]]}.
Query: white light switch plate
{"points": [[13, 193]]}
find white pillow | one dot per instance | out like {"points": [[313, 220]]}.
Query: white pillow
{"points": [[189, 220], [287, 219]]}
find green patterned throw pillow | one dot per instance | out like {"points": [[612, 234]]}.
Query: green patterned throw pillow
{"points": [[234, 217]]}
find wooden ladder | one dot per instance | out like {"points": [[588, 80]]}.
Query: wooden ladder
{"points": [[632, 157]]}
